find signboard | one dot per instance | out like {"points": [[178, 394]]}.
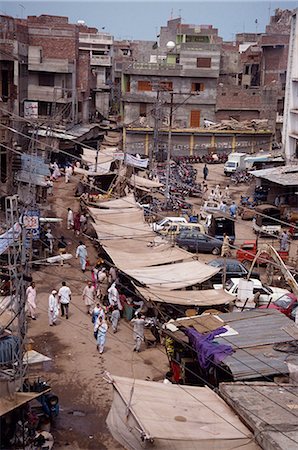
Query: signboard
{"points": [[30, 109], [31, 219]]}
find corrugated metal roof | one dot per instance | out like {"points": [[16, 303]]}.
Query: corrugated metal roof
{"points": [[285, 175], [258, 331]]}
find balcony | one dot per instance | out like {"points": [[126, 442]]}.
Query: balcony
{"points": [[161, 69], [48, 94], [98, 60], [95, 38], [49, 65]]}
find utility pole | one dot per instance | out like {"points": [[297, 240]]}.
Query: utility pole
{"points": [[154, 151], [167, 189]]}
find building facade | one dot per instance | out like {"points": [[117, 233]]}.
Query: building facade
{"points": [[290, 125]]}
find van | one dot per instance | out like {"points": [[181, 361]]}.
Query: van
{"points": [[217, 225], [175, 228], [235, 162], [162, 223]]}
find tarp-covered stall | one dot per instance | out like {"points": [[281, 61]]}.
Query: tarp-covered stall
{"points": [[160, 416], [208, 297], [173, 276]]}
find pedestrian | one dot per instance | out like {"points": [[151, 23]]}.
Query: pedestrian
{"points": [[76, 226], [83, 223], [233, 210], [56, 171], [89, 297], [225, 249], [82, 253], [49, 186], [138, 331], [115, 317], [50, 240], [31, 299], [212, 195], [68, 173], [97, 311], [70, 219], [223, 207], [113, 276], [53, 307], [113, 296], [101, 328], [64, 295], [284, 241], [205, 172], [103, 284]]}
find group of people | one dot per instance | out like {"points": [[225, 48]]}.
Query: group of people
{"points": [[77, 221]]}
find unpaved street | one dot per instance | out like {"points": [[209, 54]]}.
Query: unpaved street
{"points": [[76, 369]]}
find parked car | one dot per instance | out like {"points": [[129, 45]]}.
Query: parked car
{"points": [[175, 228], [210, 206], [234, 269], [248, 250], [266, 293], [158, 226], [195, 241], [286, 304]]}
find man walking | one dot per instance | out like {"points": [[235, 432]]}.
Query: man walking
{"points": [[50, 240], [89, 297], [64, 295], [31, 299], [233, 210], [205, 172], [82, 254], [101, 327], [70, 220], [138, 331], [53, 308], [115, 317]]}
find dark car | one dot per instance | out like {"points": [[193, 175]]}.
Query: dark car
{"points": [[234, 269], [194, 241]]}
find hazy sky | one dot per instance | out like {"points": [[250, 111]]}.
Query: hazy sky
{"points": [[142, 19]]}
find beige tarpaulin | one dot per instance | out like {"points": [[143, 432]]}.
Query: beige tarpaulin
{"points": [[18, 399], [173, 276], [144, 256], [135, 180], [90, 156], [208, 297], [128, 201], [146, 414], [102, 169]]}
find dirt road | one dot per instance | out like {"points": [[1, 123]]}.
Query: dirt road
{"points": [[76, 369]]}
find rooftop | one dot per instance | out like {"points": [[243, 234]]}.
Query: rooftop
{"points": [[285, 176]]}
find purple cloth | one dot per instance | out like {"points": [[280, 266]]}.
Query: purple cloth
{"points": [[208, 352]]}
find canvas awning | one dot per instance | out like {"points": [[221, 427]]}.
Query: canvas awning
{"points": [[137, 181], [144, 256], [128, 201], [148, 414], [173, 276], [8, 404], [208, 297]]}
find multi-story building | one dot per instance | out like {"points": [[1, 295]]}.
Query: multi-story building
{"points": [[290, 125], [13, 92], [99, 47], [187, 64]]}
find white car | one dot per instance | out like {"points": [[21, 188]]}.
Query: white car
{"points": [[209, 207], [266, 293], [161, 224]]}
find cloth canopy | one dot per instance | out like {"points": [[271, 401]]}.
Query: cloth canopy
{"points": [[128, 201], [149, 414], [173, 276], [137, 181], [208, 297], [144, 256]]}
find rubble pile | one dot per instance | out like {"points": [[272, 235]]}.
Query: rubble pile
{"points": [[245, 125]]}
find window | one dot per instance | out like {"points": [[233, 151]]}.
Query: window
{"points": [[143, 110], [195, 119], [46, 79], [197, 87], [204, 63], [166, 85], [40, 55], [144, 85]]}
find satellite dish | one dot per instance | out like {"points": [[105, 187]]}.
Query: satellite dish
{"points": [[81, 22], [170, 45]]}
